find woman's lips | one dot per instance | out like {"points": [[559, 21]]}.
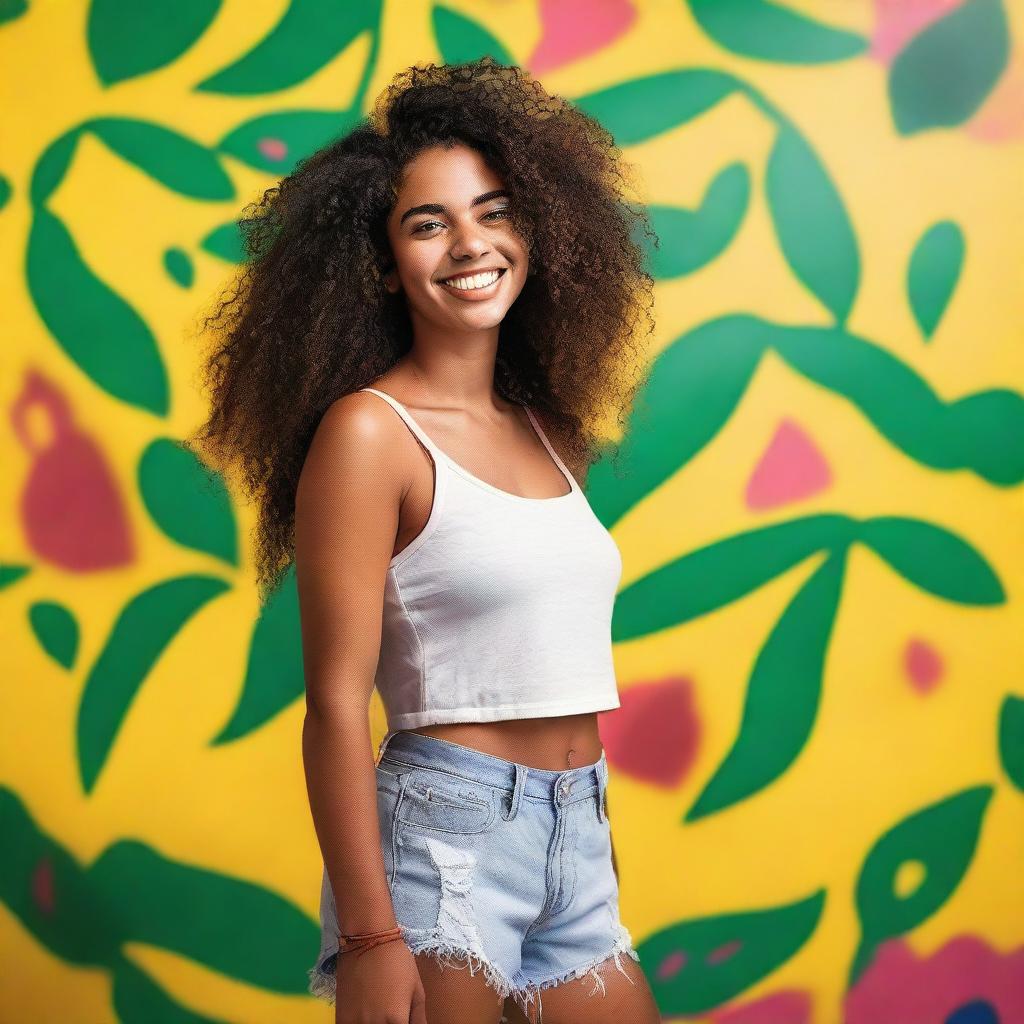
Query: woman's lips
{"points": [[474, 294]]}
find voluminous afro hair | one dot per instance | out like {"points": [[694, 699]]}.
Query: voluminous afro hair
{"points": [[310, 319]]}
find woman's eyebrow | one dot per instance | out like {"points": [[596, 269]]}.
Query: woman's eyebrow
{"points": [[438, 208]]}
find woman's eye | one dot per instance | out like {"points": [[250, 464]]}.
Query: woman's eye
{"points": [[431, 223]]}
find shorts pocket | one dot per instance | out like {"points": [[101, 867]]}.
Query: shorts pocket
{"points": [[435, 801]]}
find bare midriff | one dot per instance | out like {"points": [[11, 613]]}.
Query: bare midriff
{"points": [[552, 744]]}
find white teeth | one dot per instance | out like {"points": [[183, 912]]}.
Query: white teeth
{"points": [[477, 281]]}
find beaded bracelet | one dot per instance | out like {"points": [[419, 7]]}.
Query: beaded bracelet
{"points": [[361, 943]]}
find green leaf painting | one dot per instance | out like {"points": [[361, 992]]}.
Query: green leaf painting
{"points": [[941, 838], [699, 964], [309, 34], [129, 40], [812, 485], [142, 632], [56, 629], [933, 272], [775, 32], [187, 501], [97, 328], [946, 72], [274, 676]]}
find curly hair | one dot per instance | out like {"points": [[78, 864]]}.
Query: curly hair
{"points": [[310, 320]]}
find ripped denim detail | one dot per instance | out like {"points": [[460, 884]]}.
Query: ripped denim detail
{"points": [[455, 941], [453, 938]]}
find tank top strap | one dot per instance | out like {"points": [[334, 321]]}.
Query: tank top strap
{"points": [[410, 423], [573, 485]]}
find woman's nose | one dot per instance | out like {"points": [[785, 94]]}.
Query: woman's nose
{"points": [[469, 240]]}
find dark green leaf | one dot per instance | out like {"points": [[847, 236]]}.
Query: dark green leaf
{"points": [[225, 242], [56, 629], [143, 631], [699, 965], [97, 329], [461, 39], [692, 238], [130, 39], [934, 559], [277, 141], [783, 693], [310, 34], [946, 72], [933, 273], [178, 265], [691, 391], [983, 432], [1011, 739], [812, 224], [717, 574], [641, 108], [234, 927], [768, 31], [188, 501], [941, 839], [274, 677], [168, 157]]}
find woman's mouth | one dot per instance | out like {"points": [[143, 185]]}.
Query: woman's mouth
{"points": [[480, 286]]}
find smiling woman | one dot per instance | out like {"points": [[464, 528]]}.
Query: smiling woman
{"points": [[469, 252], [463, 246]]}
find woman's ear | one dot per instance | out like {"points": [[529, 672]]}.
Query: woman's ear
{"points": [[391, 281]]}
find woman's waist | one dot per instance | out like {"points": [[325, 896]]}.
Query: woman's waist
{"points": [[552, 743]]}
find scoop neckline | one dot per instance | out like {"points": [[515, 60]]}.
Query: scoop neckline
{"points": [[462, 471]]}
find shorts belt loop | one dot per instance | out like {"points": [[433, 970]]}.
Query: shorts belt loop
{"points": [[383, 746], [602, 787], [517, 790]]}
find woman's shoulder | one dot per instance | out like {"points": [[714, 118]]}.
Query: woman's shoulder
{"points": [[358, 434]]}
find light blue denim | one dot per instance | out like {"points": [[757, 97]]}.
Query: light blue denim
{"points": [[493, 864]]}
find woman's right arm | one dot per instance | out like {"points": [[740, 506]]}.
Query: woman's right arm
{"points": [[346, 519]]}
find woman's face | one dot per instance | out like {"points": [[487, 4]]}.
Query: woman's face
{"points": [[450, 218]]}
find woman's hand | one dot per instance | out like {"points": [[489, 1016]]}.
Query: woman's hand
{"points": [[379, 986]]}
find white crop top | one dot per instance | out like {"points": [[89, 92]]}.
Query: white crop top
{"points": [[500, 607]]}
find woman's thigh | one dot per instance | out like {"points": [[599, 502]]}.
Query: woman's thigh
{"points": [[457, 996], [627, 996]]}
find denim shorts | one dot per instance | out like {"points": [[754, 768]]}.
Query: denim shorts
{"points": [[492, 865]]}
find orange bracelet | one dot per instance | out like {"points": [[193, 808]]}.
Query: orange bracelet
{"points": [[361, 943]]}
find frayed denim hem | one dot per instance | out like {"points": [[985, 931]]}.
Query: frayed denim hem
{"points": [[323, 982], [323, 977], [623, 944]]}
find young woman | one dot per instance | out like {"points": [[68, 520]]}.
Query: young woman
{"points": [[437, 308]]}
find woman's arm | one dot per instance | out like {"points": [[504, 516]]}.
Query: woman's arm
{"points": [[346, 520]]}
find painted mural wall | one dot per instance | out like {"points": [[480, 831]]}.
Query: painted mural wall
{"points": [[817, 772]]}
